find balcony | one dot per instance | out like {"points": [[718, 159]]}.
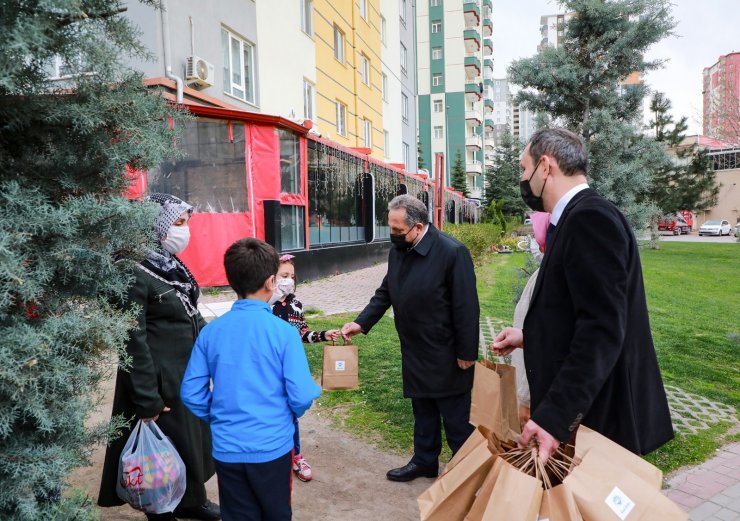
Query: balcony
{"points": [[487, 46], [488, 64], [473, 142], [472, 41], [471, 10], [488, 3], [489, 145], [489, 123], [487, 27], [473, 92], [474, 167], [488, 105], [472, 67], [473, 117]]}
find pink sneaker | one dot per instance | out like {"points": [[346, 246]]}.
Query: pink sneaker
{"points": [[301, 468]]}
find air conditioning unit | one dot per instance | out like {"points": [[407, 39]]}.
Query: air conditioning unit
{"points": [[199, 73]]}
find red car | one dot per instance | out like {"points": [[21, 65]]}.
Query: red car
{"points": [[676, 224]]}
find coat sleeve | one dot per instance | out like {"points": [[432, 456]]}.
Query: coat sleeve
{"points": [[376, 308], [465, 306], [195, 390], [142, 373], [596, 266], [299, 384]]}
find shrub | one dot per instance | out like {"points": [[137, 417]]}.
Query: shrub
{"points": [[479, 238]]}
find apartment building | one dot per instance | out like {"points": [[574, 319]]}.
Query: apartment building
{"points": [[455, 68], [721, 99]]}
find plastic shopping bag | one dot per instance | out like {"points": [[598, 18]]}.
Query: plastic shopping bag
{"points": [[151, 474]]}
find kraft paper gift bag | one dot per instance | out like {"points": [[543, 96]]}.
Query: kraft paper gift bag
{"points": [[452, 494], [587, 439], [507, 494], [477, 437], [493, 403], [603, 489], [340, 369], [558, 504]]}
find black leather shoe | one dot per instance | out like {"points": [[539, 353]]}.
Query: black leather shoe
{"points": [[412, 471], [208, 511]]}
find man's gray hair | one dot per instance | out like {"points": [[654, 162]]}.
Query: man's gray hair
{"points": [[416, 211], [565, 146]]}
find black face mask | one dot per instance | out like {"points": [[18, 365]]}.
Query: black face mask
{"points": [[399, 240], [535, 202]]}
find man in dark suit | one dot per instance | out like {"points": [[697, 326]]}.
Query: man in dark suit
{"points": [[431, 285], [588, 350]]}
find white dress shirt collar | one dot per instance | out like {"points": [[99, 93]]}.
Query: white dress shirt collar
{"points": [[563, 202]]}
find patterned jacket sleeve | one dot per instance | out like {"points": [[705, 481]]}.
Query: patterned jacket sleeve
{"points": [[307, 335]]}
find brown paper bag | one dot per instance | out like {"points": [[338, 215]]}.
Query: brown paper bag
{"points": [[340, 369], [452, 494], [587, 439], [558, 504], [493, 403], [603, 489], [475, 439], [507, 493]]}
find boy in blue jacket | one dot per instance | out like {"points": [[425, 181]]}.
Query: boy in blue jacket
{"points": [[260, 380]]}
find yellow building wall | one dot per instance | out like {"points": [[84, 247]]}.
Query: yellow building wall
{"points": [[336, 81]]}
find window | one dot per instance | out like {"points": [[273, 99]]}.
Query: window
{"points": [[438, 105], [338, 44], [307, 16], [386, 144], [365, 69], [436, 26], [210, 176], [341, 118], [290, 163], [406, 155], [238, 56], [384, 87], [69, 69], [436, 53], [404, 107], [438, 133], [367, 127], [404, 58], [402, 11], [292, 229], [436, 79], [363, 9], [308, 99], [434, 3], [383, 30]]}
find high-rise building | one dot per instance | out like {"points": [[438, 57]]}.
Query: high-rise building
{"points": [[455, 66], [721, 92], [552, 29]]}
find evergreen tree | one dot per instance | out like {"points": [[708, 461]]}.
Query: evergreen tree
{"points": [[459, 177], [65, 146], [502, 177], [577, 84], [420, 156]]}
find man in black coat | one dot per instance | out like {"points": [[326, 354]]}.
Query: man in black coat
{"points": [[588, 350], [431, 285]]}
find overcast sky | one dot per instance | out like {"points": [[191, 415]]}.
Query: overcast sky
{"points": [[706, 29]]}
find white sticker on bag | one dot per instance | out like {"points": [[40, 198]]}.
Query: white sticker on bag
{"points": [[619, 503], [339, 365]]}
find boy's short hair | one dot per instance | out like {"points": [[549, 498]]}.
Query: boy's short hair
{"points": [[248, 263]]}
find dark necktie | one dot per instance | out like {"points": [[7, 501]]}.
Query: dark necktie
{"points": [[550, 234]]}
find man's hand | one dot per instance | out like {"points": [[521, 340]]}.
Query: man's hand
{"points": [[350, 329], [155, 418], [332, 334], [464, 364], [546, 443], [507, 340]]}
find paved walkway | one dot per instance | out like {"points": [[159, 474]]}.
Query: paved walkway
{"points": [[710, 491]]}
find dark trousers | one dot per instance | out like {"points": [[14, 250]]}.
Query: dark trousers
{"points": [[296, 438], [256, 491], [455, 413]]}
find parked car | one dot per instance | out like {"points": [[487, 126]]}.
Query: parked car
{"points": [[676, 224], [715, 227], [737, 230]]}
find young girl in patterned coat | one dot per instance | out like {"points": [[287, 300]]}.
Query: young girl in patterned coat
{"points": [[290, 309]]}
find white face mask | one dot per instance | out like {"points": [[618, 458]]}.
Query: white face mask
{"points": [[177, 239], [287, 286]]}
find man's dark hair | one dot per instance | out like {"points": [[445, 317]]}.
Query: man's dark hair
{"points": [[565, 146], [248, 263]]}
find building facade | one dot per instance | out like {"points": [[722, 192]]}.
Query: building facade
{"points": [[455, 66], [721, 99]]}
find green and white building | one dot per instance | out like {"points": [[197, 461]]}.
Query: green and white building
{"points": [[455, 67]]}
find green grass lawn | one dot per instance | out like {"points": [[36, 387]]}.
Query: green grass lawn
{"points": [[693, 292]]}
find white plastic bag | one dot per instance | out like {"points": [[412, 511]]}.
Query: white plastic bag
{"points": [[151, 474]]}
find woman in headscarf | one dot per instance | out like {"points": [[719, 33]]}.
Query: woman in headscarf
{"points": [[166, 294]]}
